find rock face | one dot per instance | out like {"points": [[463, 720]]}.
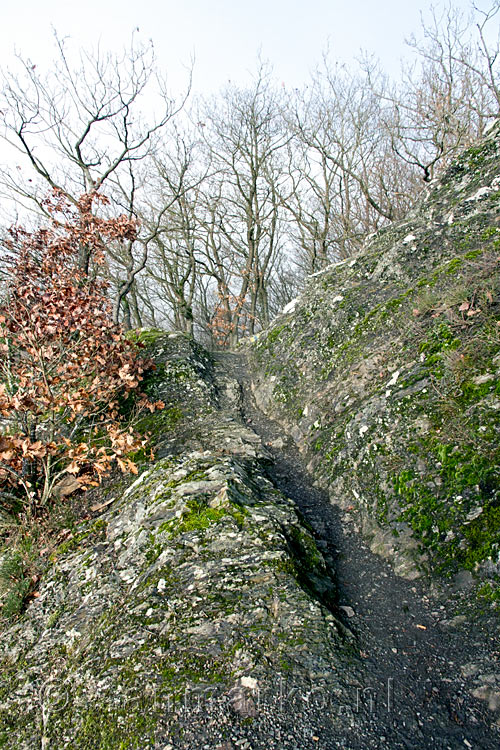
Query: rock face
{"points": [[196, 609], [386, 373], [197, 590]]}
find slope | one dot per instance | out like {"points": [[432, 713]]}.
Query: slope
{"points": [[386, 373]]}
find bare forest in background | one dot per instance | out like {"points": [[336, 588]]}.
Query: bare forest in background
{"points": [[239, 197]]}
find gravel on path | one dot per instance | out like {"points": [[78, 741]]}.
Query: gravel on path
{"points": [[421, 662]]}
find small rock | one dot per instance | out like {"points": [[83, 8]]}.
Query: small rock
{"points": [[66, 487], [454, 622], [348, 610], [474, 513], [242, 705], [463, 580], [249, 682], [490, 679], [486, 693], [279, 444], [480, 379], [468, 670]]}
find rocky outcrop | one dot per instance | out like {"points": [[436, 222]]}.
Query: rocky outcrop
{"points": [[195, 608], [199, 589], [386, 373]]}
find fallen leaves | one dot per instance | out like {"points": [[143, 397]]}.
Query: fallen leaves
{"points": [[469, 307]]}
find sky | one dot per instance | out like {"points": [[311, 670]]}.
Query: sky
{"points": [[224, 36]]}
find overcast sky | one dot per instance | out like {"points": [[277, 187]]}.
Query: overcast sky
{"points": [[225, 36]]}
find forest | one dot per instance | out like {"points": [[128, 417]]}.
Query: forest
{"points": [[238, 197], [249, 399]]}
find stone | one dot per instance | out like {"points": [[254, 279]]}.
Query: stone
{"points": [[373, 347], [490, 696], [470, 669], [192, 593], [349, 612], [454, 622], [67, 486]]}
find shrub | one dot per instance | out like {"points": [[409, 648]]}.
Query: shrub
{"points": [[66, 370]]}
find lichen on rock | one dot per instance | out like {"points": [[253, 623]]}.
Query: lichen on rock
{"points": [[200, 583], [386, 374]]}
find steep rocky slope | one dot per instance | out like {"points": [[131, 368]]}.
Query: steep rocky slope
{"points": [[386, 373], [193, 592], [219, 601]]}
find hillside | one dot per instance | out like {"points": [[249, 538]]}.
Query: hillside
{"points": [[313, 566], [386, 373], [198, 584]]}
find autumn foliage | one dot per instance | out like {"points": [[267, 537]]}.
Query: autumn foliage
{"points": [[67, 372], [228, 317]]}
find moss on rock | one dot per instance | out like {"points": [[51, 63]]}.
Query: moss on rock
{"points": [[390, 381]]}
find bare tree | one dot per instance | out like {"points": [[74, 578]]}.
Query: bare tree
{"points": [[345, 181], [79, 127], [448, 95], [172, 220], [244, 131]]}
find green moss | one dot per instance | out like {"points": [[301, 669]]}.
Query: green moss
{"points": [[489, 232], [159, 423], [476, 156], [54, 617], [460, 467], [483, 539], [145, 336], [382, 509], [395, 302], [104, 727], [97, 528], [239, 515], [421, 508], [308, 556], [154, 549], [197, 475], [472, 392], [439, 517], [274, 334], [281, 565], [489, 591], [15, 584], [439, 338], [453, 265], [199, 516]]}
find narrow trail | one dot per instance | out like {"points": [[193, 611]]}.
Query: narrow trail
{"points": [[412, 693]]}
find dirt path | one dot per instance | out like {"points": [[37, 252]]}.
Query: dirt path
{"points": [[418, 669]]}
